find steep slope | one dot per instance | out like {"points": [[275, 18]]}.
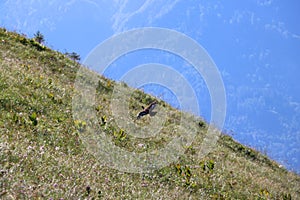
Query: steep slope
{"points": [[43, 153]]}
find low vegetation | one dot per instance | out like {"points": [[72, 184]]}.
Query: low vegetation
{"points": [[43, 157]]}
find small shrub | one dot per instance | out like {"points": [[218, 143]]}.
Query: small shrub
{"points": [[178, 169], [73, 56], [265, 194], [185, 172], [33, 118], [24, 41], [104, 87], [80, 125], [98, 108], [202, 124], [108, 83], [207, 166], [120, 135], [39, 37], [103, 120]]}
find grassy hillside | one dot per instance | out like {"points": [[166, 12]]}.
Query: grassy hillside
{"points": [[42, 155]]}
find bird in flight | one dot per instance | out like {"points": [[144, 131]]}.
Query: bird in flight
{"points": [[147, 110]]}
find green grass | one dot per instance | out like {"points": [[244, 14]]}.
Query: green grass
{"points": [[42, 155]]}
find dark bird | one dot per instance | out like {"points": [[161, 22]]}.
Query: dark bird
{"points": [[146, 110]]}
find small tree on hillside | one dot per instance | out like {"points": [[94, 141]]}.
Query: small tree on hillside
{"points": [[39, 37], [74, 56]]}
